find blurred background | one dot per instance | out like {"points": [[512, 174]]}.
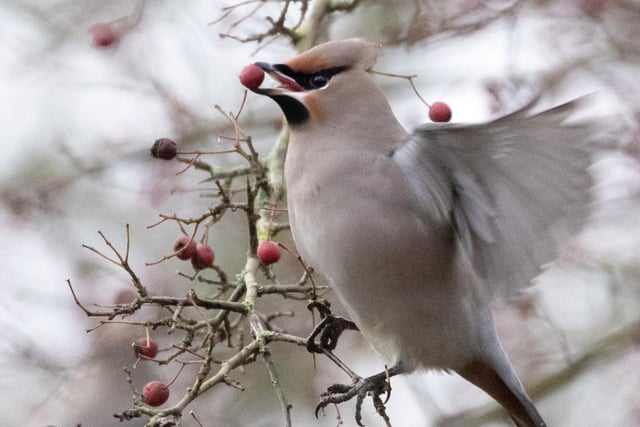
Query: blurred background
{"points": [[87, 86]]}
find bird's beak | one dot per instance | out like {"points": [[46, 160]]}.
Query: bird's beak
{"points": [[282, 74]]}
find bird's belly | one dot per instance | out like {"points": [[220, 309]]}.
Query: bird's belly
{"points": [[399, 283], [423, 323]]}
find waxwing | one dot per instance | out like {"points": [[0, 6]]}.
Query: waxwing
{"points": [[419, 233]]}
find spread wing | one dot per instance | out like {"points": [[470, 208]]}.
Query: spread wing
{"points": [[512, 188]]}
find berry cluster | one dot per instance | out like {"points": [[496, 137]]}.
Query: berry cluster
{"points": [[201, 256]]}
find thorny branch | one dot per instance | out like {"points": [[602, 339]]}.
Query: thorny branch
{"points": [[207, 326], [277, 26]]}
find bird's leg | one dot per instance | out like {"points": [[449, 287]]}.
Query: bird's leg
{"points": [[375, 386], [329, 329]]}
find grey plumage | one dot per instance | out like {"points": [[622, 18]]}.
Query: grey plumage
{"points": [[419, 233]]}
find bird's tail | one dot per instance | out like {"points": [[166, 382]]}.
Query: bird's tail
{"points": [[495, 375]]}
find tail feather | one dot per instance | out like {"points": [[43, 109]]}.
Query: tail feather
{"points": [[499, 380]]}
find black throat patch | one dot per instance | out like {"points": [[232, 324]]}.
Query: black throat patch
{"points": [[295, 112]]}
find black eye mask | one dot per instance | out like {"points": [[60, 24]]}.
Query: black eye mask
{"points": [[312, 81]]}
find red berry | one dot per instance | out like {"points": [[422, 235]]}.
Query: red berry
{"points": [[164, 148], [103, 35], [203, 258], [268, 252], [251, 76], [440, 112], [146, 349], [186, 246], [155, 393]]}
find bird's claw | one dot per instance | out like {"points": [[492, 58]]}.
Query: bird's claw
{"points": [[328, 329], [374, 386]]}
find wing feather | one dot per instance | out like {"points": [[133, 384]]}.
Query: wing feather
{"points": [[513, 188]]}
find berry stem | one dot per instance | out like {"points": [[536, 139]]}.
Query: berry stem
{"points": [[406, 77], [176, 376]]}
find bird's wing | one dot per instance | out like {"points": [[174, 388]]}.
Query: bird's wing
{"points": [[512, 188]]}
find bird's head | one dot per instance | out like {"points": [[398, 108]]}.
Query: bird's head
{"points": [[327, 83]]}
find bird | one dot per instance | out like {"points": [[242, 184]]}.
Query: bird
{"points": [[421, 233]]}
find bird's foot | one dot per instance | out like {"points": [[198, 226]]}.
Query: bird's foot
{"points": [[324, 339], [328, 329], [375, 386]]}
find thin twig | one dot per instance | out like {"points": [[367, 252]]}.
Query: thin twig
{"points": [[409, 78]]}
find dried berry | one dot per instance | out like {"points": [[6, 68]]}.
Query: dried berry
{"points": [[164, 148]]}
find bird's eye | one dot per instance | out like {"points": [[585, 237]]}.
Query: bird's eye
{"points": [[318, 81]]}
